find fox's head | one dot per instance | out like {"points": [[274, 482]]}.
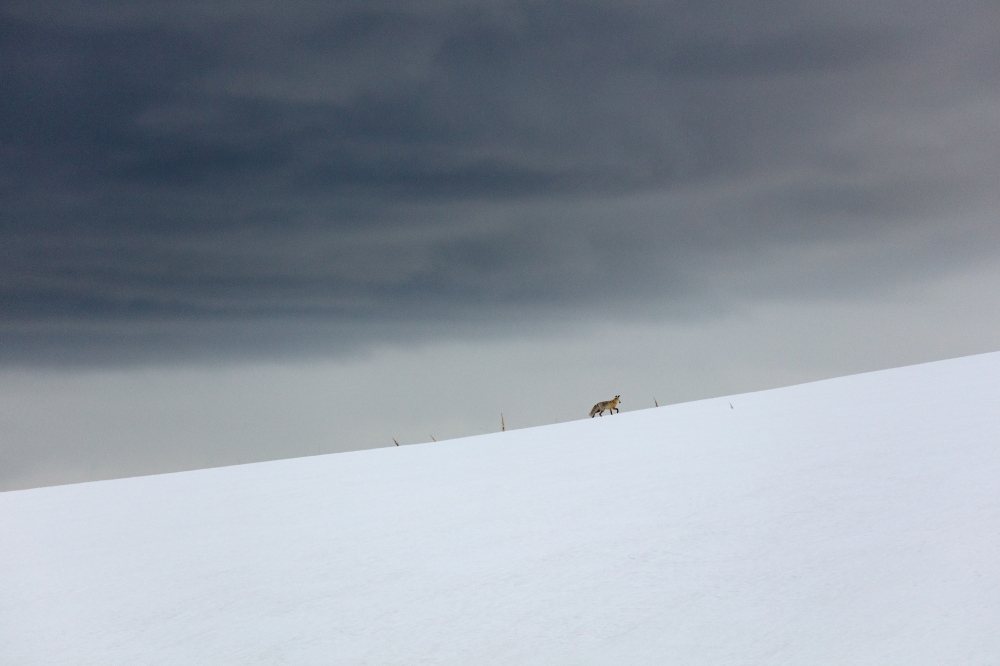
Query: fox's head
{"points": [[617, 398]]}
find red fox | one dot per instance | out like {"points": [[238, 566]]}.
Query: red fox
{"points": [[610, 405]]}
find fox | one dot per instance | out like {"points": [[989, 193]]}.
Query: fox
{"points": [[610, 405]]}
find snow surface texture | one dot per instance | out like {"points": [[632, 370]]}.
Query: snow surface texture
{"points": [[849, 521]]}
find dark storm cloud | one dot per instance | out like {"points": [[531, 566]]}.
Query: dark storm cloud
{"points": [[170, 168]]}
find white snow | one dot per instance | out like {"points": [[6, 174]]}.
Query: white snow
{"points": [[849, 521]]}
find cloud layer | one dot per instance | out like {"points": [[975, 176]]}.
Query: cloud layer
{"points": [[211, 176]]}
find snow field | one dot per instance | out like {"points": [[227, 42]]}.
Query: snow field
{"points": [[849, 521]]}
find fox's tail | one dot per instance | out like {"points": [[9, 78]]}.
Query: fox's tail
{"points": [[594, 410]]}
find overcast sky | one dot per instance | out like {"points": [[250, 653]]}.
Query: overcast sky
{"points": [[235, 231]]}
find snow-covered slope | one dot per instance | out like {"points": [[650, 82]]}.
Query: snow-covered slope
{"points": [[849, 521]]}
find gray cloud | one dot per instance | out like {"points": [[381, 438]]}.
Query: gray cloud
{"points": [[207, 177]]}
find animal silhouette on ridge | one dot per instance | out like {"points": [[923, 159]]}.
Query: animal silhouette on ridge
{"points": [[610, 405]]}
